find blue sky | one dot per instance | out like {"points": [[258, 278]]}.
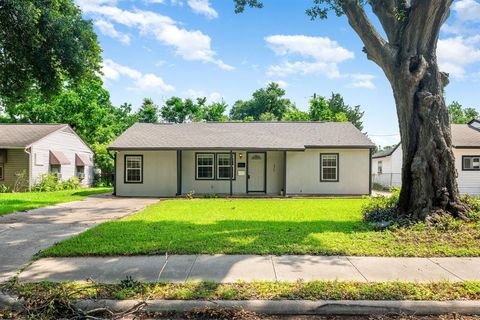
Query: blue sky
{"points": [[192, 48]]}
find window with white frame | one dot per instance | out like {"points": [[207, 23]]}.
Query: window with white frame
{"points": [[2, 177], [225, 166], [380, 167], [133, 169], [80, 172], [329, 167], [471, 163], [56, 169], [205, 166]]}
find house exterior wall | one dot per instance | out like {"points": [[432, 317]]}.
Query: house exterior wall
{"points": [[391, 175], [274, 171], [303, 172], [17, 160], [468, 181], [159, 174], [69, 144]]}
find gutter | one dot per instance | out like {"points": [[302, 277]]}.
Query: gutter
{"points": [[29, 152]]}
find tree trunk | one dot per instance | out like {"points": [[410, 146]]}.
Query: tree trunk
{"points": [[428, 174]]}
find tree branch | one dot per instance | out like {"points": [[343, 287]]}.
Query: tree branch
{"points": [[388, 12], [376, 47], [427, 16]]}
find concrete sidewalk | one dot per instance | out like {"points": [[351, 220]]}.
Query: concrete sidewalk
{"points": [[230, 268], [23, 234]]}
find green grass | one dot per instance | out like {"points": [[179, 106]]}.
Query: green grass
{"points": [[257, 290], [13, 202], [291, 226]]}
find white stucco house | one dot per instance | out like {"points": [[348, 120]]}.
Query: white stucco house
{"points": [[43, 148], [387, 164], [242, 158]]}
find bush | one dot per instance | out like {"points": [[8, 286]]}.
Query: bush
{"points": [[381, 209], [474, 204], [50, 182], [5, 189], [101, 182]]}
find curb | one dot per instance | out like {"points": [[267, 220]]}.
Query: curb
{"points": [[295, 307]]}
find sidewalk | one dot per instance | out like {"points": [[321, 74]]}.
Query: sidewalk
{"points": [[230, 268]]}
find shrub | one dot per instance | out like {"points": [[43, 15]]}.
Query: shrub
{"points": [[474, 205], [101, 182], [21, 181], [5, 189], [46, 182], [381, 209], [50, 182]]}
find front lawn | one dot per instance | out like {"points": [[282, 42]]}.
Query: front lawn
{"points": [[13, 202], [290, 226]]}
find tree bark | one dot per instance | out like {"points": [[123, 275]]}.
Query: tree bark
{"points": [[428, 173]]}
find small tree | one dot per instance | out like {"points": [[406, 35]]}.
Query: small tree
{"points": [[178, 110], [335, 109], [460, 115]]}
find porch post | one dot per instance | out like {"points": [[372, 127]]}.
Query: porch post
{"points": [[284, 173], [179, 172], [231, 172], [114, 173]]}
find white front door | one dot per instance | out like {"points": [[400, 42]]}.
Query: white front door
{"points": [[256, 172]]}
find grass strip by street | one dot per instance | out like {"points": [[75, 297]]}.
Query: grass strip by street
{"points": [[14, 202], [259, 290], [265, 226]]}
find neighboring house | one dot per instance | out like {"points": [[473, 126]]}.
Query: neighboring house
{"points": [[38, 149], [387, 165], [272, 158]]}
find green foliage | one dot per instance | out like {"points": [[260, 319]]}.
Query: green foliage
{"points": [[214, 112], [178, 110], [334, 109], [50, 182], [265, 100], [21, 181], [267, 116], [148, 112], [5, 189], [296, 115], [381, 208], [43, 44], [460, 115]]}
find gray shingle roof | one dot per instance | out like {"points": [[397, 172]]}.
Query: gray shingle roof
{"points": [[23, 135], [241, 135], [464, 135], [385, 152]]}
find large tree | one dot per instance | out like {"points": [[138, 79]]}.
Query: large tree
{"points": [[148, 112], [269, 100], [44, 43], [335, 109], [407, 56]]}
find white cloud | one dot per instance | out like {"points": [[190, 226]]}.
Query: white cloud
{"points": [[318, 48], [212, 97], [313, 55], [108, 29], [113, 71], [203, 7], [285, 69], [455, 54], [362, 80], [467, 10], [192, 45], [281, 83]]}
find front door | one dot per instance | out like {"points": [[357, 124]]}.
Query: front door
{"points": [[256, 172]]}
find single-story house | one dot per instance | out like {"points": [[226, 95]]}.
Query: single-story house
{"points": [[38, 149], [387, 164], [242, 158]]}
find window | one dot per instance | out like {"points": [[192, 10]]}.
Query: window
{"points": [[1, 172], [56, 169], [81, 172], [380, 167], [224, 167], [133, 169], [329, 167], [470, 163], [205, 163]]}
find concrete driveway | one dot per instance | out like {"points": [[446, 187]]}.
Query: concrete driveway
{"points": [[23, 234]]}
